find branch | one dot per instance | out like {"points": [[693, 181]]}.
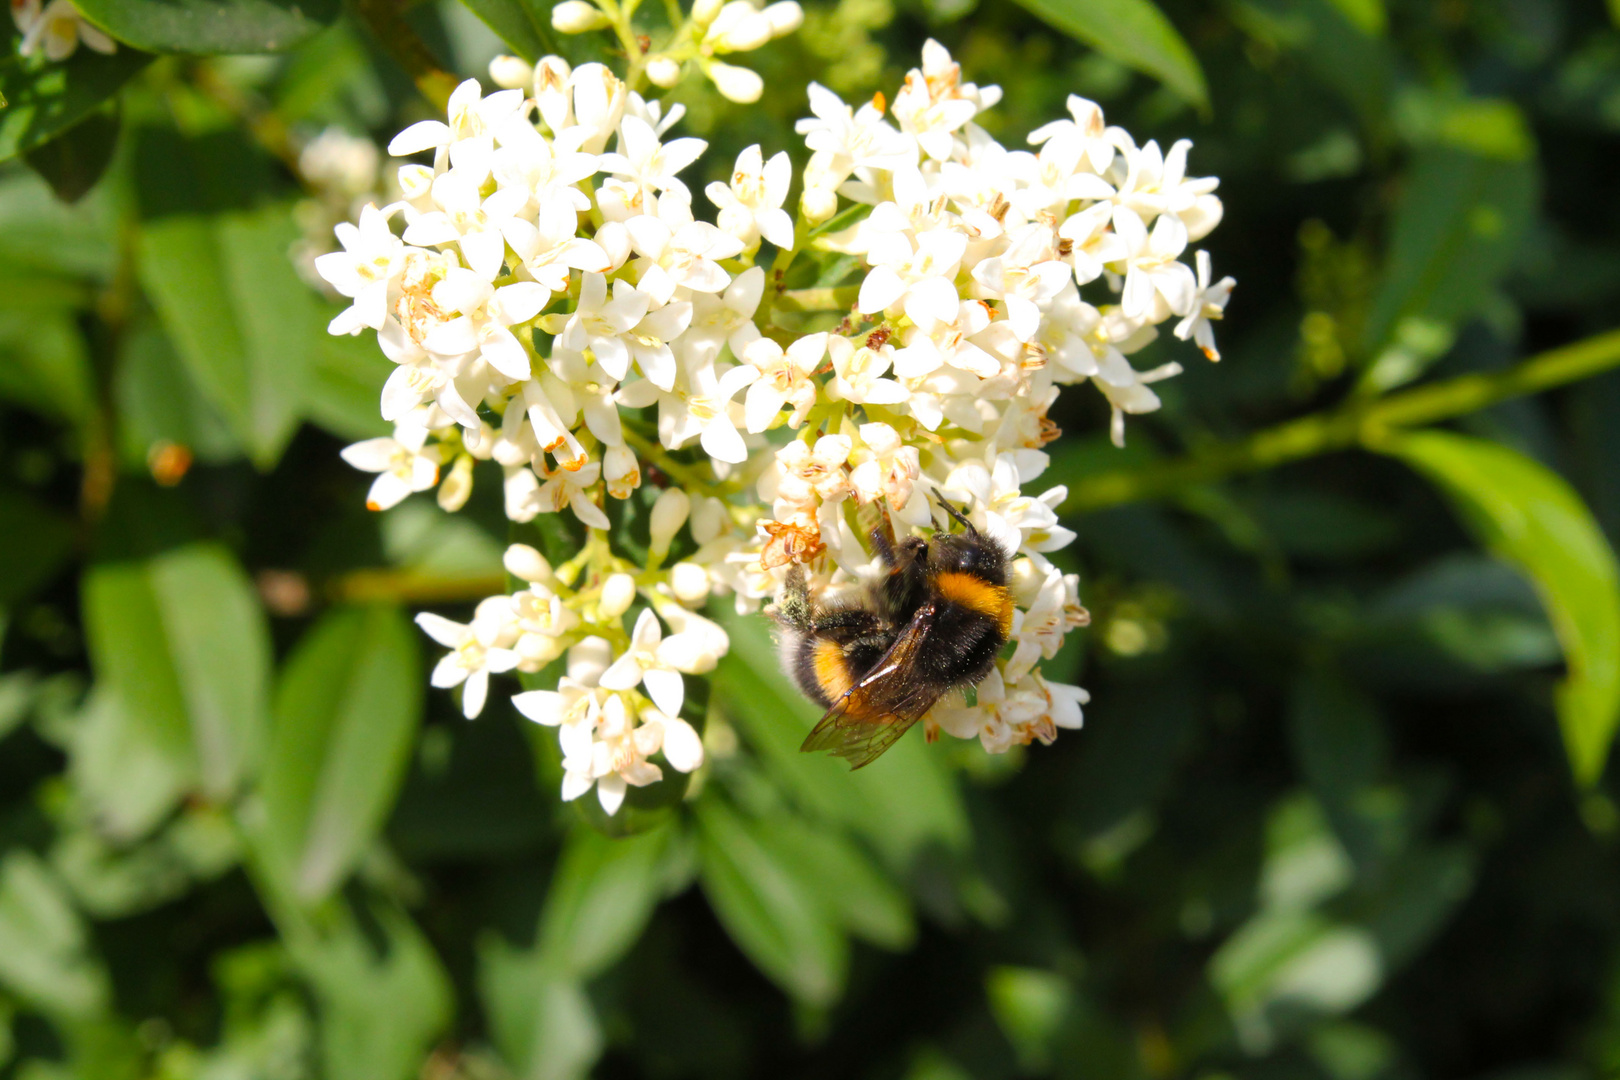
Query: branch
{"points": [[1355, 424]]}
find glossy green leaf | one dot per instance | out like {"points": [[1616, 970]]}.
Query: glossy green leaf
{"points": [[44, 948], [238, 315], [73, 162], [47, 366], [1134, 32], [1530, 516], [158, 402], [383, 994], [601, 896], [522, 24], [182, 655], [346, 711], [866, 903], [775, 919], [211, 26], [44, 100], [1459, 222]]}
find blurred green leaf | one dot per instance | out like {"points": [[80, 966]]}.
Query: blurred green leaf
{"points": [[868, 904], [34, 543], [347, 707], [345, 380], [1531, 517], [158, 402], [383, 994], [240, 318], [47, 367], [776, 920], [44, 949], [111, 881], [45, 99], [540, 1018], [1134, 32], [74, 161], [601, 896], [1457, 227], [1028, 1005], [522, 24], [211, 26], [182, 652]]}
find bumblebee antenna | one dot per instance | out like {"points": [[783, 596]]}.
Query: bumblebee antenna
{"points": [[955, 513]]}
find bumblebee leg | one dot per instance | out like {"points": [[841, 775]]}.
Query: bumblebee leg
{"points": [[793, 609], [846, 625]]}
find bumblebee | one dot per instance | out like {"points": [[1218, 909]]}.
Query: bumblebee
{"points": [[877, 663]]}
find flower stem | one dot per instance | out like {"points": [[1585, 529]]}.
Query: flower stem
{"points": [[1356, 424]]}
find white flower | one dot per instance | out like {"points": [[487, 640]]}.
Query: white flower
{"points": [[56, 29], [473, 655], [751, 207], [698, 405], [849, 139], [1152, 269], [600, 324], [860, 374], [784, 376], [932, 104], [402, 463], [371, 258], [679, 252], [656, 662], [486, 317], [725, 319], [646, 162], [470, 133], [920, 279], [1208, 304], [735, 83]]}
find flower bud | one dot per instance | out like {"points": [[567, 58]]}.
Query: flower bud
{"points": [[818, 204], [669, 513], [704, 11], [663, 71], [457, 487], [689, 582], [510, 72], [527, 564], [621, 471], [577, 17], [746, 34], [708, 519], [535, 651], [618, 593], [737, 84], [785, 17]]}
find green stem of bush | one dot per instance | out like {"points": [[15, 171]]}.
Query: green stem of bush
{"points": [[1360, 423]]}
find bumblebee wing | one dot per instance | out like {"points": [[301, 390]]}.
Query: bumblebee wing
{"points": [[875, 712]]}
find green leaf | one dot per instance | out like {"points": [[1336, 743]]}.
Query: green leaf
{"points": [[1530, 516], [44, 949], [600, 898], [44, 100], [238, 315], [526, 27], [211, 26], [182, 653], [1134, 32], [345, 382], [74, 161], [1458, 225], [158, 402], [33, 545], [867, 903], [346, 711], [776, 921], [47, 367], [540, 1018], [383, 993]]}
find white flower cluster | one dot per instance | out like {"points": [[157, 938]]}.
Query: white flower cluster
{"points": [[55, 29], [552, 304]]}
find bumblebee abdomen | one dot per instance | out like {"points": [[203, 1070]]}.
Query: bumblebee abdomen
{"points": [[973, 593]]}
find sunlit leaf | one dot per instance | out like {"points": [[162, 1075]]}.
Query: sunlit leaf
{"points": [[346, 711], [1459, 222], [44, 100], [182, 655], [523, 24], [1531, 517], [768, 911], [601, 895], [211, 26], [1134, 32], [44, 948], [540, 1018]]}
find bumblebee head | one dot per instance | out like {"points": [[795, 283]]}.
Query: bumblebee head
{"points": [[966, 552]]}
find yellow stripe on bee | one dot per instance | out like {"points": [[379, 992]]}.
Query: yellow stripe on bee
{"points": [[977, 594], [832, 674]]}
